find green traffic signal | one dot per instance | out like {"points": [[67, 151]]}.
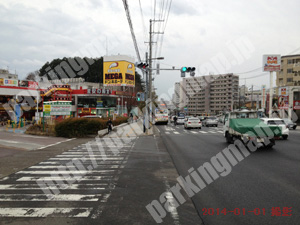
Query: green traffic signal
{"points": [[184, 69]]}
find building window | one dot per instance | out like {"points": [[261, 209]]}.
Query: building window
{"points": [[290, 61], [289, 79], [289, 70]]}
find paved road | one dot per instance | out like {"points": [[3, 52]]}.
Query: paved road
{"points": [[264, 179], [125, 172]]}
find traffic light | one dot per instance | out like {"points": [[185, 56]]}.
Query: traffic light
{"points": [[190, 70], [138, 96], [142, 65]]}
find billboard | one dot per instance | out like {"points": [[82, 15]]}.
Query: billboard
{"points": [[271, 62], [1, 81], [283, 99], [57, 108], [118, 71]]}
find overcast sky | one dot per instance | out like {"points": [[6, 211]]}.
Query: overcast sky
{"points": [[214, 36]]}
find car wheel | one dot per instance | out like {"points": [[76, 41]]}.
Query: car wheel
{"points": [[294, 128], [285, 137], [229, 139]]}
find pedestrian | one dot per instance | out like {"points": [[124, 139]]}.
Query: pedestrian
{"points": [[109, 125], [131, 117], [144, 124]]}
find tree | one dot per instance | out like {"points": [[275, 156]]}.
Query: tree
{"points": [[33, 76]]}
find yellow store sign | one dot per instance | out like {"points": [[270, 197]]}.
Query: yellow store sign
{"points": [[118, 73]]}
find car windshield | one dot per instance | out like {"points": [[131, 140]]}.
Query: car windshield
{"points": [[181, 118], [212, 118], [288, 121], [193, 119], [275, 122]]}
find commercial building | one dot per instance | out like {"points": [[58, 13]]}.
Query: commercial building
{"points": [[210, 94]]}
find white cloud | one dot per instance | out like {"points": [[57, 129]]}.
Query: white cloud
{"points": [[33, 31]]}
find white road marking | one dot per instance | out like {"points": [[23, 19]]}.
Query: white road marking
{"points": [[203, 132], [56, 143], [12, 142], [194, 132], [220, 131], [167, 132], [65, 172], [43, 197], [73, 167], [175, 132], [58, 178], [213, 132], [104, 162], [45, 212], [36, 187], [87, 158]]}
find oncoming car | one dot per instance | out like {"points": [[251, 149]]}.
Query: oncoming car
{"points": [[192, 122]]}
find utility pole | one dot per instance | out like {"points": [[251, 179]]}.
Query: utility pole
{"points": [[150, 67], [150, 62], [252, 96]]}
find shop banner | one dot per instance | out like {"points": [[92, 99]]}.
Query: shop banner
{"points": [[11, 82], [283, 102]]}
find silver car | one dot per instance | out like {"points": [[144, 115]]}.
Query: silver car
{"points": [[180, 120], [210, 121]]}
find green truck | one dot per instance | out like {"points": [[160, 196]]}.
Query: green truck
{"points": [[245, 125]]}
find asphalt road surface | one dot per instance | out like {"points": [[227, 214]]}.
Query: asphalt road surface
{"points": [[263, 188]]}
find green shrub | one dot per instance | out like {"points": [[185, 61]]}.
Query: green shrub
{"points": [[81, 127]]}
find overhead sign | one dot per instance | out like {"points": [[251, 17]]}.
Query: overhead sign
{"points": [[271, 62], [118, 71]]}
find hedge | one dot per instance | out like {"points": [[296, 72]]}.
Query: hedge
{"points": [[81, 127]]}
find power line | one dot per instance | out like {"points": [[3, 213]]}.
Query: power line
{"points": [[131, 30], [143, 21]]}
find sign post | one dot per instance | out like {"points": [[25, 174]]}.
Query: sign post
{"points": [[271, 63]]}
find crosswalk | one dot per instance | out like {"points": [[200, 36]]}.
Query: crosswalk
{"points": [[172, 130], [76, 183]]}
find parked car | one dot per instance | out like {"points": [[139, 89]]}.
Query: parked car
{"points": [[210, 121], [192, 122], [290, 123], [278, 122], [180, 120]]}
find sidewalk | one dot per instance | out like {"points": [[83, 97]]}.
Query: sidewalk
{"points": [[148, 173]]}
